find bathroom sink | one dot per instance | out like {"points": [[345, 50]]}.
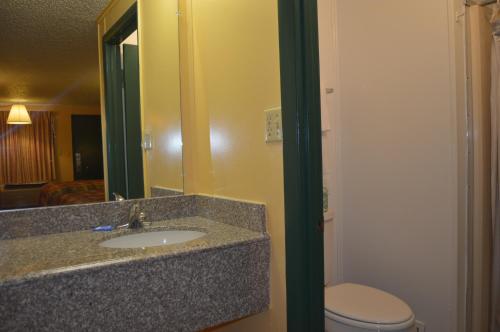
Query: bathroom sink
{"points": [[152, 239]]}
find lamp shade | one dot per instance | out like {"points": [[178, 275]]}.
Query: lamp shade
{"points": [[18, 115]]}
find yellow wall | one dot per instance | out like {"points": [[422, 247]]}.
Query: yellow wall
{"points": [[230, 75]]}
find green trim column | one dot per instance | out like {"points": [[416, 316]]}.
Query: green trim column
{"points": [[300, 94]]}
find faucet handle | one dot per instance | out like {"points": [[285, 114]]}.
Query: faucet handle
{"points": [[142, 219], [132, 214]]}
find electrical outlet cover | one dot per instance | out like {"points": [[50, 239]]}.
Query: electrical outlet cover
{"points": [[274, 132]]}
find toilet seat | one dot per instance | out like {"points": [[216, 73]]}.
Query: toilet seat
{"points": [[370, 326], [367, 307]]}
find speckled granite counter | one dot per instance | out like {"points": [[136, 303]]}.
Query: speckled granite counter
{"points": [[66, 281], [30, 257]]}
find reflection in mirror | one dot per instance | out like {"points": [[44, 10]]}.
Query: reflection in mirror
{"points": [[160, 74], [142, 101], [60, 142], [50, 120], [122, 109]]}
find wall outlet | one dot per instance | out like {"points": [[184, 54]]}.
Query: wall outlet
{"points": [[419, 326], [274, 132]]}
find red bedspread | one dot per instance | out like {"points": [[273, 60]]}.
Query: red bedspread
{"points": [[74, 192]]}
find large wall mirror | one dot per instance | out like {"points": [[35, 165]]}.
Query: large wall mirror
{"points": [[89, 114]]}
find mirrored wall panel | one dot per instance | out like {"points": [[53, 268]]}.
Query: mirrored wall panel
{"points": [[88, 112]]}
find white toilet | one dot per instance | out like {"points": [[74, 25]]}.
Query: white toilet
{"points": [[357, 308]]}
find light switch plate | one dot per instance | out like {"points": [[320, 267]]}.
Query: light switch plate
{"points": [[147, 142], [274, 132]]}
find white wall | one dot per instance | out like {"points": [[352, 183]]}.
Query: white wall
{"points": [[326, 54], [480, 244], [396, 155]]}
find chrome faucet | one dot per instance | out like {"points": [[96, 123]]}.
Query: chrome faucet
{"points": [[136, 218], [118, 197]]}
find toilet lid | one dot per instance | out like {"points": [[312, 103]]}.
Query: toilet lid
{"points": [[366, 304]]}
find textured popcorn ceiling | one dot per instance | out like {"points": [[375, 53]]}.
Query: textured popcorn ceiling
{"points": [[48, 51]]}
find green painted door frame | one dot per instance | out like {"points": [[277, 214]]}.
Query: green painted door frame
{"points": [[115, 146], [123, 125], [300, 98], [133, 132]]}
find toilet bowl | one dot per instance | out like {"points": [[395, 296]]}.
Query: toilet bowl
{"points": [[357, 308]]}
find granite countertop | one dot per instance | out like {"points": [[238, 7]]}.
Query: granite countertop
{"points": [[27, 258]]}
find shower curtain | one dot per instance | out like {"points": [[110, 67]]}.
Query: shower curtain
{"points": [[495, 172]]}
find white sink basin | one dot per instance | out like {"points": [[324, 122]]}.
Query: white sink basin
{"points": [[151, 239]]}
